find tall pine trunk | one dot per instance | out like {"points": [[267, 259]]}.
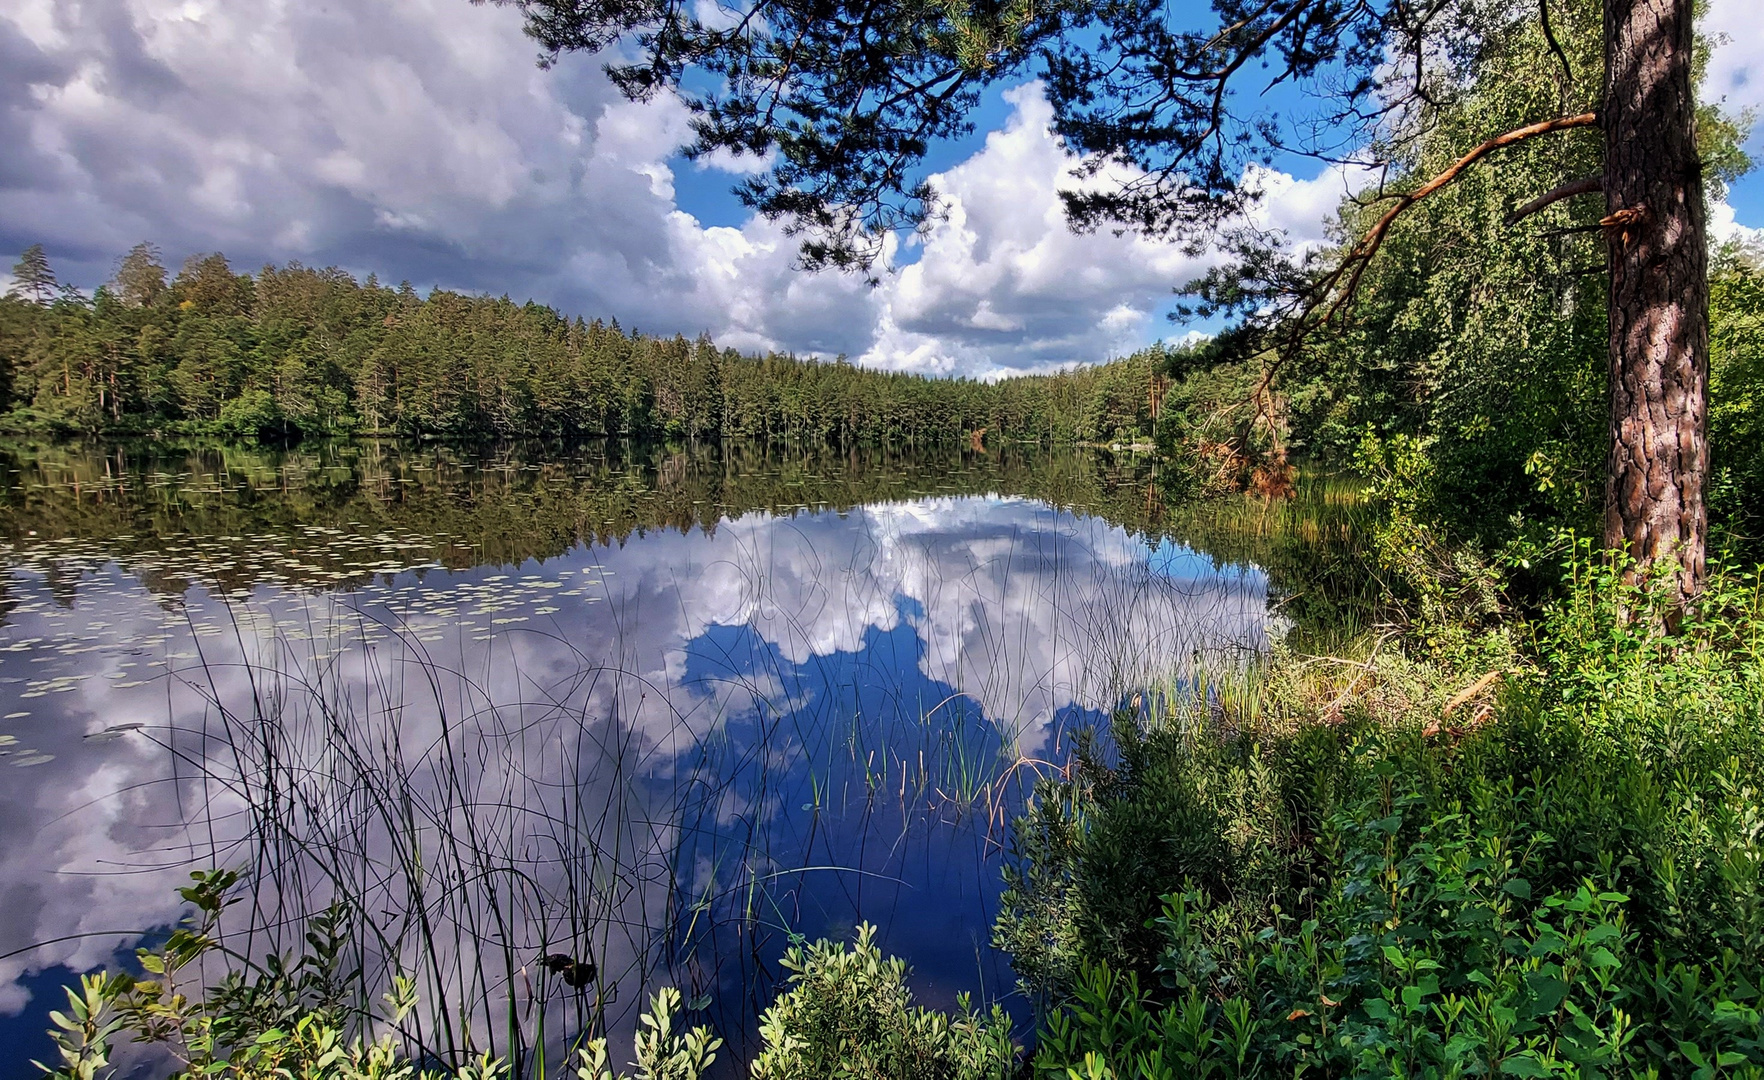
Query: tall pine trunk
{"points": [[1659, 302]]}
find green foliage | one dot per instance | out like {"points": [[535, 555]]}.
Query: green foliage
{"points": [[290, 1019], [1161, 817], [1452, 598], [1214, 425], [32, 280], [1736, 393], [286, 1020], [83, 1033], [250, 416], [662, 1053], [847, 1014], [1483, 340], [1181, 809], [1478, 344], [295, 351], [1569, 883]]}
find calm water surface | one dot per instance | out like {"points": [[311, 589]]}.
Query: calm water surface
{"points": [[663, 709]]}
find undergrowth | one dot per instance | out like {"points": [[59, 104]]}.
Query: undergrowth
{"points": [[1555, 870], [845, 1012]]}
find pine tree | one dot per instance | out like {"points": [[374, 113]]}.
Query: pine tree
{"points": [[31, 277], [140, 277]]}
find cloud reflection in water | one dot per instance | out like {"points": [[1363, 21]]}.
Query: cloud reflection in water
{"points": [[664, 754]]}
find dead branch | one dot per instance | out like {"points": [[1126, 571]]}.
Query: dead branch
{"points": [[1549, 34], [1584, 186]]}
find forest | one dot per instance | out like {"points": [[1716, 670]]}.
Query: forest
{"points": [[293, 351]]}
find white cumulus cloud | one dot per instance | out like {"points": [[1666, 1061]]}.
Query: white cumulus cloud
{"points": [[418, 140]]}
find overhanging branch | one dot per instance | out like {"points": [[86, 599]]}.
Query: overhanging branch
{"points": [[1354, 266], [1344, 279]]}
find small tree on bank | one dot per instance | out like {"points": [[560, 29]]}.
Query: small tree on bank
{"points": [[847, 97]]}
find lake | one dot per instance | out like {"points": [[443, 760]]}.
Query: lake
{"points": [[665, 709]]}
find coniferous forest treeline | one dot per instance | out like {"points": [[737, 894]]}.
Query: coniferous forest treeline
{"points": [[294, 351]]}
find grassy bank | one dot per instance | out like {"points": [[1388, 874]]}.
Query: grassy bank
{"points": [[1376, 865]]}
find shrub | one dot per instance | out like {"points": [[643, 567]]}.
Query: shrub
{"points": [[252, 415], [1572, 886], [291, 1019], [847, 1014]]}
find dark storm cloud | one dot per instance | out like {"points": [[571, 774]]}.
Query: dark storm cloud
{"points": [[416, 140], [23, 68]]}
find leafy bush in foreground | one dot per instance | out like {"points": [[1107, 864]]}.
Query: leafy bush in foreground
{"points": [[848, 1014], [291, 1018], [1571, 885]]}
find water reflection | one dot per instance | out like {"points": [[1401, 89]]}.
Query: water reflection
{"points": [[666, 750]]}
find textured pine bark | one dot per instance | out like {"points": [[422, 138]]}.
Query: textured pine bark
{"points": [[1659, 300]]}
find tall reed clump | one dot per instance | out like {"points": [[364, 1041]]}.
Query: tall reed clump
{"points": [[1569, 881], [289, 1018]]}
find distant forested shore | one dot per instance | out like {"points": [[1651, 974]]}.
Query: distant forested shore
{"points": [[294, 351]]}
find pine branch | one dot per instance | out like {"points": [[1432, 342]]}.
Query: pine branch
{"points": [[1362, 254]]}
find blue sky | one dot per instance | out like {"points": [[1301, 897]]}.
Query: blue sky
{"points": [[417, 140]]}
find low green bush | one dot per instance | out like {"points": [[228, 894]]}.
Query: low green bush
{"points": [[1571, 885], [847, 1014]]}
